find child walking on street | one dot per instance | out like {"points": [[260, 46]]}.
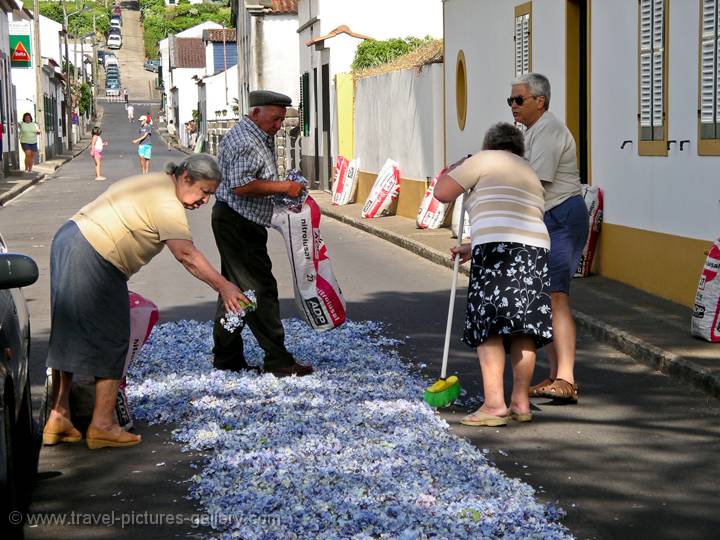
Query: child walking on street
{"points": [[96, 149], [144, 142]]}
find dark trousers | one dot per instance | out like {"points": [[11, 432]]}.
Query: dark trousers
{"points": [[245, 262]]}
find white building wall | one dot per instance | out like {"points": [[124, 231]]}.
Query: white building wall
{"points": [[677, 194], [479, 28], [279, 66], [216, 96], [187, 91], [24, 78], [378, 19], [398, 115], [164, 50]]}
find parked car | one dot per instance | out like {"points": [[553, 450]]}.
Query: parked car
{"points": [[114, 41], [152, 65], [114, 30], [112, 88], [20, 437], [110, 59], [115, 22], [111, 72]]}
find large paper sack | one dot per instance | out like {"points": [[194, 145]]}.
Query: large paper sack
{"points": [[455, 226], [317, 293], [384, 191], [431, 214], [706, 315], [344, 187], [593, 197]]}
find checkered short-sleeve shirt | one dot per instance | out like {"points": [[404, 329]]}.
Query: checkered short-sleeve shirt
{"points": [[247, 153]]}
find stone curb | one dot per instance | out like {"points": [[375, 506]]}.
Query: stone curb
{"points": [[669, 363]]}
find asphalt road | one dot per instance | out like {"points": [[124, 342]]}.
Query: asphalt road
{"points": [[637, 458]]}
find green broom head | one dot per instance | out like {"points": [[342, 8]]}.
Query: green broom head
{"points": [[443, 392]]}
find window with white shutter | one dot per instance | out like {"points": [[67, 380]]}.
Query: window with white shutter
{"points": [[652, 77], [709, 93], [522, 37]]}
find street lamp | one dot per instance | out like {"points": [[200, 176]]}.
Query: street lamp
{"points": [[68, 94]]}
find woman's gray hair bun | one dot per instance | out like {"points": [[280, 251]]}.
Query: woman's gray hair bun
{"points": [[197, 166]]}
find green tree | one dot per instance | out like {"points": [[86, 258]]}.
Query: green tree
{"points": [[161, 21]]}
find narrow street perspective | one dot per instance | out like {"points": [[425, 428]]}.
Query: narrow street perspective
{"points": [[296, 269]]}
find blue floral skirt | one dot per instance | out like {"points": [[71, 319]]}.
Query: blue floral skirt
{"points": [[509, 294]]}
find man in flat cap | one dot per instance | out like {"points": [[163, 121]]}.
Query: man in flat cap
{"points": [[240, 218]]}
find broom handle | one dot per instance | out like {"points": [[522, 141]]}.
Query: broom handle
{"points": [[451, 308]]}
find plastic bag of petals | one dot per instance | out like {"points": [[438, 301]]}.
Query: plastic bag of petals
{"points": [[293, 204], [143, 317], [317, 293], [706, 313], [431, 214], [344, 188], [593, 197], [384, 192]]}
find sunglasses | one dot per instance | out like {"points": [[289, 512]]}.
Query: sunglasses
{"points": [[519, 100]]}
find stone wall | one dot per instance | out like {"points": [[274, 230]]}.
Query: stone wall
{"points": [[287, 142]]}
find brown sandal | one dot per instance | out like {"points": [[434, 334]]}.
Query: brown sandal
{"points": [[536, 389], [562, 390]]}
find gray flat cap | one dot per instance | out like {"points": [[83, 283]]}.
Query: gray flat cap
{"points": [[258, 98]]}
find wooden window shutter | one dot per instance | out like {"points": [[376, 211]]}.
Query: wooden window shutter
{"points": [[522, 38], [652, 77]]}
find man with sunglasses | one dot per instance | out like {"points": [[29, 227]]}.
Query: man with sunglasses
{"points": [[550, 149]]}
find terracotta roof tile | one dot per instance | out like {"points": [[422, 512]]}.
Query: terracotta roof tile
{"points": [[189, 53], [217, 35], [280, 7]]}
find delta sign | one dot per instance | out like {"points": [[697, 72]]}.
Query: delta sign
{"points": [[20, 51]]}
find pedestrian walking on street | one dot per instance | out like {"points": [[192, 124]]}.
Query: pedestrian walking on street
{"points": [[131, 114], [92, 257], [240, 218], [125, 95], [509, 292], [29, 132], [550, 149], [96, 149], [144, 142]]}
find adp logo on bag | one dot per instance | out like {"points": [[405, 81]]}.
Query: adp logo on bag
{"points": [[315, 310]]}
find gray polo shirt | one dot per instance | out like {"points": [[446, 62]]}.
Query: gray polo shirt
{"points": [[550, 149]]}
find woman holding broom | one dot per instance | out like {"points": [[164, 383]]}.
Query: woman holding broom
{"points": [[508, 295]]}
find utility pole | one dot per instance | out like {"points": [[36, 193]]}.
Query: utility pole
{"points": [[94, 69], [68, 94], [39, 94]]}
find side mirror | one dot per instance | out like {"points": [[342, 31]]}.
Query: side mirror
{"points": [[17, 271]]}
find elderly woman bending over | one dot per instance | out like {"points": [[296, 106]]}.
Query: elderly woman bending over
{"points": [[92, 257], [508, 296]]}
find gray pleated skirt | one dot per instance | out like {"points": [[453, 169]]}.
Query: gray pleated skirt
{"points": [[90, 329]]}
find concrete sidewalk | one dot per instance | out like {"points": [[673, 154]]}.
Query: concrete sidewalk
{"points": [[16, 182], [645, 327]]}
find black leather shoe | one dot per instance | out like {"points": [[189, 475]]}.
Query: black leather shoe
{"points": [[293, 369]]}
